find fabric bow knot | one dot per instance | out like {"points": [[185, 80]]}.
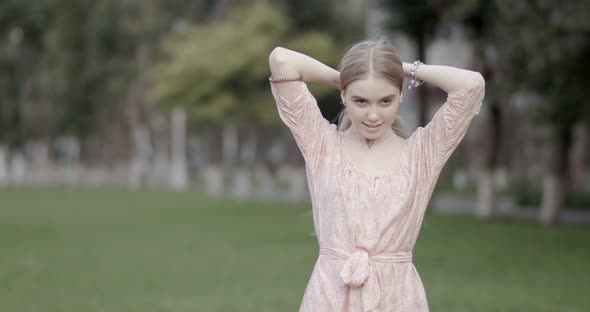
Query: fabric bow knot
{"points": [[358, 272]]}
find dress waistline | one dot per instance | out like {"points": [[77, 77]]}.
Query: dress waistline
{"points": [[398, 257], [359, 274]]}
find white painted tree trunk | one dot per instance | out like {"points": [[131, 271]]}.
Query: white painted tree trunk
{"points": [[40, 162], [18, 168], [230, 144], [486, 199], [501, 178], [242, 177], [460, 179], [214, 177], [553, 194], [140, 162], [161, 169], [159, 175], [297, 183], [248, 152], [242, 184], [266, 184], [3, 167], [178, 170], [69, 150]]}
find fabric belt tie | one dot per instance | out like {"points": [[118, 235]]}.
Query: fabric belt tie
{"points": [[359, 273]]}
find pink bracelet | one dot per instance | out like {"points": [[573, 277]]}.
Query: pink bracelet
{"points": [[284, 79]]}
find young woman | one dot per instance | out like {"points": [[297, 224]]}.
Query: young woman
{"points": [[369, 180]]}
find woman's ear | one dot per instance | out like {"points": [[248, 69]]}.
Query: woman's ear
{"points": [[401, 97], [343, 97]]}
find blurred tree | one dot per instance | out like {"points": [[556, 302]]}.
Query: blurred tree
{"points": [[478, 18], [342, 21], [419, 20], [88, 57], [545, 50], [22, 26], [226, 79]]}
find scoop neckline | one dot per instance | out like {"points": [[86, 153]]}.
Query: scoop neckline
{"points": [[393, 171]]}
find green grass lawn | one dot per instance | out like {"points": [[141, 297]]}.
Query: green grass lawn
{"points": [[113, 250]]}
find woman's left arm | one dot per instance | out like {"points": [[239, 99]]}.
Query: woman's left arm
{"points": [[441, 136], [447, 78]]}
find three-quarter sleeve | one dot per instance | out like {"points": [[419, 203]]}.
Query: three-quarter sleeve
{"points": [[441, 136], [301, 114]]}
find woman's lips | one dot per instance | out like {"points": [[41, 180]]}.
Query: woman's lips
{"points": [[372, 127]]}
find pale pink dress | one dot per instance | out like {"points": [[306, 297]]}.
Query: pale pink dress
{"points": [[367, 226]]}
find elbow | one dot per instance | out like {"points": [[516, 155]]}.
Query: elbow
{"points": [[278, 57], [477, 81]]}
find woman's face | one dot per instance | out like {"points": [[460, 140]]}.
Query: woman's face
{"points": [[372, 104]]}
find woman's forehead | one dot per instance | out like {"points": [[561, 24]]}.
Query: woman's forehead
{"points": [[372, 88]]}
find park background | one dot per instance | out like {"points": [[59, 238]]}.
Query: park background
{"points": [[143, 166]]}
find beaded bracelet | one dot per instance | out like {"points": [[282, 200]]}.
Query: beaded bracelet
{"points": [[284, 79], [414, 82]]}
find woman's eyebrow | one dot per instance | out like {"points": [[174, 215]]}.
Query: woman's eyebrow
{"points": [[391, 96], [356, 97]]}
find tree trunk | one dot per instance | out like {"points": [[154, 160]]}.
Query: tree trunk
{"points": [[242, 179], [579, 155], [140, 159], [18, 167], [486, 199], [213, 172], [553, 195], [159, 173], [178, 172], [40, 162], [214, 180], [554, 180], [486, 189], [3, 167], [230, 145], [138, 134]]}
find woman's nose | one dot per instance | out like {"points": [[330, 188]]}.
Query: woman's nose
{"points": [[373, 114]]}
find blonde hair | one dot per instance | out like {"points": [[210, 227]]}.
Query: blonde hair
{"points": [[376, 58]]}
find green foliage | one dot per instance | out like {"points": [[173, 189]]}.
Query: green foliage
{"points": [[417, 19], [220, 70], [545, 48], [22, 25], [88, 56]]}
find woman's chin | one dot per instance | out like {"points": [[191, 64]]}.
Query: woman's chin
{"points": [[371, 135]]}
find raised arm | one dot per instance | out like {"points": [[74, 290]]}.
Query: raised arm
{"points": [[297, 107], [441, 136], [285, 63], [449, 79]]}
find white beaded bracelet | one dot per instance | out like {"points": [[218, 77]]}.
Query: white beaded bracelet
{"points": [[414, 82]]}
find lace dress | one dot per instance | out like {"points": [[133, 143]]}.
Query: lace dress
{"points": [[367, 226]]}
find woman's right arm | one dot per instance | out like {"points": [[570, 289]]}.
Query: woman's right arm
{"points": [[285, 63], [297, 107]]}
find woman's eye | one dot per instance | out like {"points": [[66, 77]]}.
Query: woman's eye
{"points": [[360, 101], [387, 102]]}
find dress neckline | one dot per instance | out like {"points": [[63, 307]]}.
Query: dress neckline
{"points": [[393, 171]]}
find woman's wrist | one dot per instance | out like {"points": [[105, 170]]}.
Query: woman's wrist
{"points": [[335, 81], [411, 72], [407, 69]]}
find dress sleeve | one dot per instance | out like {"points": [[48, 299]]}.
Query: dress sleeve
{"points": [[301, 114], [441, 136]]}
